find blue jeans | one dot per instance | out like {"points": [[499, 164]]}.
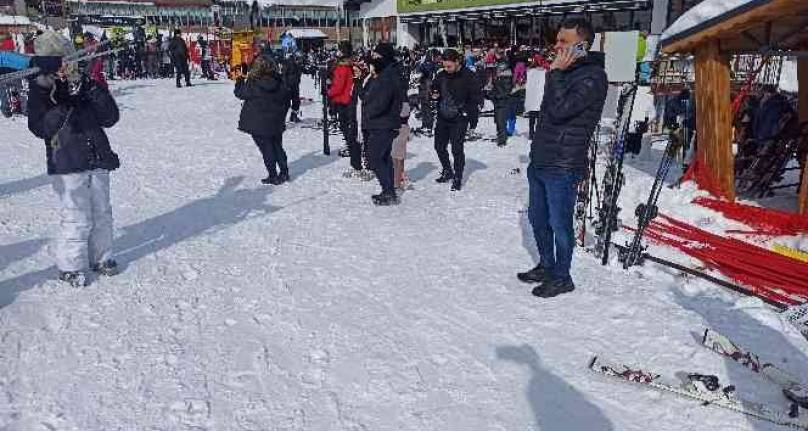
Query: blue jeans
{"points": [[551, 209]]}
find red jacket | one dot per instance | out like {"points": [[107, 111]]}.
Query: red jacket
{"points": [[7, 44], [341, 84]]}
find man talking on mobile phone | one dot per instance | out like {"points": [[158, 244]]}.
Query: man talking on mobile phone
{"points": [[573, 101]]}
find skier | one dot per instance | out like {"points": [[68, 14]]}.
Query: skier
{"points": [[204, 55], [455, 90], [502, 87], [179, 57], [534, 91], [291, 78], [79, 160], [340, 95], [381, 106], [571, 108], [263, 115]]}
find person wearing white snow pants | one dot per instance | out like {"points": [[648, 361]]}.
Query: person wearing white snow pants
{"points": [[70, 112], [85, 234]]}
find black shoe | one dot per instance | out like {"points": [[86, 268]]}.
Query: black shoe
{"points": [[283, 177], [293, 117], [179, 85], [554, 288], [385, 199], [445, 176], [457, 184], [108, 268], [535, 275], [73, 278], [269, 180], [188, 84]]}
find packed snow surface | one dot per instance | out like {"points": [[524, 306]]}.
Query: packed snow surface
{"points": [[304, 307], [701, 13]]}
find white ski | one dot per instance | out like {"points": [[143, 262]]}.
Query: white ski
{"points": [[723, 397], [792, 388]]}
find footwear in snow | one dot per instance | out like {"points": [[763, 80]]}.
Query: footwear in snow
{"points": [[269, 180], [554, 288], [294, 117], [73, 278], [457, 184], [535, 275], [107, 268], [283, 177], [385, 199], [445, 176], [366, 175]]}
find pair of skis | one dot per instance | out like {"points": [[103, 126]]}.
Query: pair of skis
{"points": [[613, 178], [68, 59], [707, 389], [632, 254]]}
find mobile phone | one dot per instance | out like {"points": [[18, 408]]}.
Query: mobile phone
{"points": [[580, 49]]}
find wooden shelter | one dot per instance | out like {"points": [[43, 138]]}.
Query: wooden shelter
{"points": [[767, 27]]}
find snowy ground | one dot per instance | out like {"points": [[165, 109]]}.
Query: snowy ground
{"points": [[304, 307]]}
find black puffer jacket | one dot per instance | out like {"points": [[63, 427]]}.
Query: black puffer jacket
{"points": [[381, 100], [73, 127], [571, 108], [266, 103], [463, 87], [178, 50]]}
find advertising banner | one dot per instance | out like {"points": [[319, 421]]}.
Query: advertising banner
{"points": [[414, 6]]}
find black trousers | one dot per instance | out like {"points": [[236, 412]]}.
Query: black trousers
{"points": [[349, 129], [533, 117], [295, 95], [181, 69], [501, 114], [380, 146], [271, 147], [453, 132]]}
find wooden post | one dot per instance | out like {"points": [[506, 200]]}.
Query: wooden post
{"points": [[714, 118], [802, 78]]}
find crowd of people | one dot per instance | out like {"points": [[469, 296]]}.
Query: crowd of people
{"points": [[69, 110]]}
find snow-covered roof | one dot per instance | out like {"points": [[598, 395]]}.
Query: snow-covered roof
{"points": [[307, 33], [702, 14], [14, 20], [320, 3]]}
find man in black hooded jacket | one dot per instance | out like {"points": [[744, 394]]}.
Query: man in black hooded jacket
{"points": [[456, 91], [382, 97], [574, 96]]}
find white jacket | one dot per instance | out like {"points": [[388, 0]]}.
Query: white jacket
{"points": [[535, 89]]}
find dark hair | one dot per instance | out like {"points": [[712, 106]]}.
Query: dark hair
{"points": [[451, 55], [346, 48], [582, 27]]}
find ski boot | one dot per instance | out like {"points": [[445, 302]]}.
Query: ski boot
{"points": [[108, 268], [73, 278]]}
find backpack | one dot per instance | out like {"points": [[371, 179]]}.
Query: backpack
{"points": [[448, 108]]}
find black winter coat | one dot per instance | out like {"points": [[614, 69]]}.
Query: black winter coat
{"points": [[463, 87], [381, 101], [73, 128], [291, 73], [178, 50], [266, 103], [571, 108]]}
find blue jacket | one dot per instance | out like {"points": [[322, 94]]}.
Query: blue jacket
{"points": [[13, 60]]}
